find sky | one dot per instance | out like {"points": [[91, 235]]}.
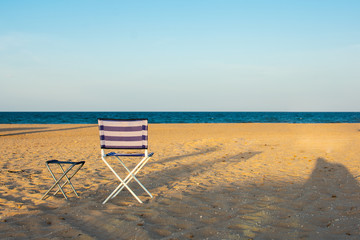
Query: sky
{"points": [[180, 55]]}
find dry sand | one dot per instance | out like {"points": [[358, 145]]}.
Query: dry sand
{"points": [[215, 181]]}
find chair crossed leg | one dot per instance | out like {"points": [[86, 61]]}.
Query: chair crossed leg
{"points": [[65, 172], [131, 175]]}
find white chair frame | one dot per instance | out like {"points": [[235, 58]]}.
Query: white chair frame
{"points": [[128, 134], [131, 174]]}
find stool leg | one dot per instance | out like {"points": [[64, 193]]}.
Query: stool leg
{"points": [[56, 183], [68, 179]]}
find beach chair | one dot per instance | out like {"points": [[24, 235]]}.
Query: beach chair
{"points": [[122, 136], [73, 168]]}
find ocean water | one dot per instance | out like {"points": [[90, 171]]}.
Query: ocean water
{"points": [[180, 117]]}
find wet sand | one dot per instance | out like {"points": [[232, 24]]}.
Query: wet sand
{"points": [[209, 181]]}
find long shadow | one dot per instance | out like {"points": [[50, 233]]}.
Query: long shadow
{"points": [[30, 132], [174, 158], [20, 129], [182, 171]]}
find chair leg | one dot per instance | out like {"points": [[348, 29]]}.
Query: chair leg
{"points": [[122, 183], [132, 175]]}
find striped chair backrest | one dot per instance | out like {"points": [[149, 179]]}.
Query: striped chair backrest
{"points": [[123, 134]]}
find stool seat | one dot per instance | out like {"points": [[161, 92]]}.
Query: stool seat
{"points": [[64, 162]]}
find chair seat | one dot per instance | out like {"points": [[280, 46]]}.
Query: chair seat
{"points": [[128, 155]]}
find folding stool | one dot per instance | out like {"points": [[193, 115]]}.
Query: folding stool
{"points": [[122, 135], [64, 174]]}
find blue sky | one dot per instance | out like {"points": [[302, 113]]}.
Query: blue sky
{"points": [[180, 55]]}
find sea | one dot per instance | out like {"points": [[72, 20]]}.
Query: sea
{"points": [[180, 117]]}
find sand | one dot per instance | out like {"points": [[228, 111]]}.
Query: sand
{"points": [[209, 181]]}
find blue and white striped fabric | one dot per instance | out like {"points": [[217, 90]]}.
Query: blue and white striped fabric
{"points": [[123, 134]]}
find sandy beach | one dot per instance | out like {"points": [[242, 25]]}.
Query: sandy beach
{"points": [[209, 181]]}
